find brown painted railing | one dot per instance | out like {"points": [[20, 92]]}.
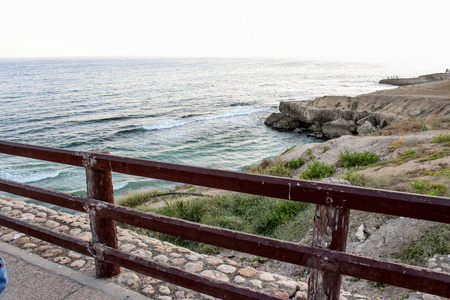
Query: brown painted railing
{"points": [[329, 197]]}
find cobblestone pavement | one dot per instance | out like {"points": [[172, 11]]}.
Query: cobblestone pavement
{"points": [[162, 252]]}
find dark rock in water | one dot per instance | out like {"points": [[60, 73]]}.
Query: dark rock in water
{"points": [[299, 130], [282, 122], [338, 128], [318, 135]]}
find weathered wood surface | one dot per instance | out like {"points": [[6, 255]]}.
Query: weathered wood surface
{"points": [[100, 187], [330, 232]]}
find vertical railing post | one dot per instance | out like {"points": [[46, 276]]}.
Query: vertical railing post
{"points": [[100, 187], [330, 232]]}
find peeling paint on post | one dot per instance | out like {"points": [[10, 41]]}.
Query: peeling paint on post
{"points": [[100, 187], [330, 232]]}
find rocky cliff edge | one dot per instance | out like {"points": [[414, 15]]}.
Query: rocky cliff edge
{"points": [[335, 116]]}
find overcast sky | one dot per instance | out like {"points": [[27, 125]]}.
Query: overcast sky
{"points": [[381, 30]]}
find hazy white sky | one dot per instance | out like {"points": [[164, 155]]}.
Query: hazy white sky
{"points": [[334, 30]]}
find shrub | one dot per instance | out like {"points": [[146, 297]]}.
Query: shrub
{"points": [[280, 168], [409, 153], [269, 167], [325, 149], [186, 210], [282, 213], [317, 170], [296, 163], [356, 158], [442, 138], [356, 178], [397, 143], [428, 188]]}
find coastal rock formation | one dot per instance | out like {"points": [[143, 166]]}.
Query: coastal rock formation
{"points": [[337, 128], [334, 116], [281, 122]]}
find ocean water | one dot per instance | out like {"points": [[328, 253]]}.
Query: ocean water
{"points": [[202, 112]]}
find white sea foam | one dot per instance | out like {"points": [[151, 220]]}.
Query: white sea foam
{"points": [[119, 186], [173, 123], [27, 177]]}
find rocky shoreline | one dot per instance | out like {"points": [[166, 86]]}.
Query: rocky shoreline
{"points": [[334, 116]]}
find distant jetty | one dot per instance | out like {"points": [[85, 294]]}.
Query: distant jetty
{"points": [[417, 80]]}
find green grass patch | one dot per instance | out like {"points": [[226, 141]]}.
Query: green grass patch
{"points": [[409, 154], [289, 149], [356, 178], [376, 182], [295, 163], [280, 168], [356, 158], [444, 171], [247, 213], [136, 199], [317, 170], [442, 138], [436, 155], [428, 188], [435, 240]]}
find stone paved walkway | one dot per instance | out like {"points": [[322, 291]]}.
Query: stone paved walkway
{"points": [[149, 248], [31, 277]]}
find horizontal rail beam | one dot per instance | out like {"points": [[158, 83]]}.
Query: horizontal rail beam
{"points": [[372, 200], [420, 279], [416, 278], [67, 157], [169, 274]]}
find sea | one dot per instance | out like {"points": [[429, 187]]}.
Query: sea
{"points": [[206, 112]]}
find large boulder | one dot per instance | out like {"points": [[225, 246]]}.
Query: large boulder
{"points": [[366, 128], [338, 128], [281, 122], [370, 118]]}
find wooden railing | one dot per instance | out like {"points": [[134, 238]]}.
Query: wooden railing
{"points": [[327, 255]]}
